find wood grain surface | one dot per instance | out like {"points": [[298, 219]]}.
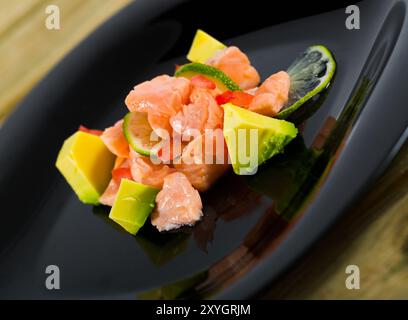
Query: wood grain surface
{"points": [[28, 49], [372, 235]]}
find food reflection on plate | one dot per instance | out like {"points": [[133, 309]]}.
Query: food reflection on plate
{"points": [[285, 179]]}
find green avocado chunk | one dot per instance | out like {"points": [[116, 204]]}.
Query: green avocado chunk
{"points": [[204, 47], [253, 138], [86, 164], [134, 203]]}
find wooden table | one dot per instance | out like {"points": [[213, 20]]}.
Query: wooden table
{"points": [[373, 235]]}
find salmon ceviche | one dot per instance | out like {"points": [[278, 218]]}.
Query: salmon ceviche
{"points": [[184, 131]]}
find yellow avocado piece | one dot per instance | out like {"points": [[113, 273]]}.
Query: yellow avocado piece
{"points": [[203, 47], [133, 204], [86, 164], [253, 138]]}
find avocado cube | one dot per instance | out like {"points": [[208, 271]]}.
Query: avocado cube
{"points": [[203, 47], [133, 204], [86, 164], [253, 138]]}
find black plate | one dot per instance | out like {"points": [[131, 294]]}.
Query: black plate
{"points": [[246, 238]]}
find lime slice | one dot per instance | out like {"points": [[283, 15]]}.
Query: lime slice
{"points": [[222, 81], [138, 133], [309, 74]]}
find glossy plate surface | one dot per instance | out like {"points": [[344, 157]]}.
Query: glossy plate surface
{"points": [[254, 227]]}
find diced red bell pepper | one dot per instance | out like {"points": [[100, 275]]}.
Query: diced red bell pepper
{"points": [[90, 131], [242, 99], [200, 81], [239, 98], [122, 173], [225, 97]]}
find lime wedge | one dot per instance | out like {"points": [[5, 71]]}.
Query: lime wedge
{"points": [[138, 133], [222, 81], [309, 74]]}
